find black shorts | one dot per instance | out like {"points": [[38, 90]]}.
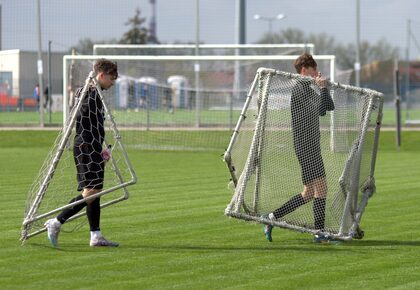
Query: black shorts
{"points": [[89, 165], [311, 164]]}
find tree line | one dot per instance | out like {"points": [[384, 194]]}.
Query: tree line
{"points": [[324, 43]]}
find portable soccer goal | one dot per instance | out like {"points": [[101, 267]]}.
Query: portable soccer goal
{"points": [[56, 182], [264, 168]]}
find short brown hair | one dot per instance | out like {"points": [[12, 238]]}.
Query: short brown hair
{"points": [[305, 60], [106, 66]]}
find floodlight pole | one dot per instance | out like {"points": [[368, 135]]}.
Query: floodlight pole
{"points": [[241, 40], [49, 91], [197, 64], [397, 103], [407, 75], [357, 63], [0, 27], [40, 66]]}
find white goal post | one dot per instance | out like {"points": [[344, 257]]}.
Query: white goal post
{"points": [[263, 153], [204, 49], [56, 181]]}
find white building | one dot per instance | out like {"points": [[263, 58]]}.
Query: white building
{"points": [[19, 73]]}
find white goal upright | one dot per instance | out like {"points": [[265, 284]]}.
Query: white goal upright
{"points": [[262, 156], [56, 182]]}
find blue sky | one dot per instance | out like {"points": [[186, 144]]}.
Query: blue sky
{"points": [[66, 22]]}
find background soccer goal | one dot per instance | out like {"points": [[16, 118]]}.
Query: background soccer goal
{"points": [[203, 49], [172, 97], [264, 167], [56, 182]]}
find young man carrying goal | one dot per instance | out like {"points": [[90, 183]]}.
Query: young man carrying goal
{"points": [[89, 156], [306, 108]]}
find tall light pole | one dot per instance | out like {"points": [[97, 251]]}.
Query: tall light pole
{"points": [[357, 63], [270, 20], [197, 64], [407, 76], [0, 26], [40, 65], [240, 38]]}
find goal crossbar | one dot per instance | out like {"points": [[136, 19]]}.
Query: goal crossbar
{"points": [[160, 47]]}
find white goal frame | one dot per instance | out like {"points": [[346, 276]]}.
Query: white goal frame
{"points": [[160, 47], [348, 229]]}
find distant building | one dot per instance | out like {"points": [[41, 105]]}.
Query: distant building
{"points": [[19, 73]]}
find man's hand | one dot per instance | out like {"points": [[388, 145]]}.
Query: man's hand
{"points": [[321, 81], [106, 154]]}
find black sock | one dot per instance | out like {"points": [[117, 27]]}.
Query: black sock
{"points": [[71, 211], [289, 206], [319, 212], [93, 212]]}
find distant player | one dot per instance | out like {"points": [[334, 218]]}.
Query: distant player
{"points": [[306, 107], [89, 157]]}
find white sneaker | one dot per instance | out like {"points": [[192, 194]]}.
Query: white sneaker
{"points": [[53, 228], [102, 242]]}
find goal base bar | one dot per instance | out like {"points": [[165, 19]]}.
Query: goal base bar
{"points": [[285, 225]]}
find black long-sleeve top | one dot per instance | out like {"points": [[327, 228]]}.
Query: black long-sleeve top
{"points": [[90, 119], [306, 108]]}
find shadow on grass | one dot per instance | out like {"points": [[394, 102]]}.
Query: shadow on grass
{"points": [[293, 245], [383, 243], [301, 245], [277, 247], [188, 247]]}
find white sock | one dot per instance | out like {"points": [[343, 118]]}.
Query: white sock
{"points": [[56, 222], [271, 216], [94, 235]]}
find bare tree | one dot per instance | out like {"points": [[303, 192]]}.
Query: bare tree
{"points": [[326, 44]]}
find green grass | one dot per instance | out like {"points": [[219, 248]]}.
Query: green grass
{"points": [[20, 118], [180, 117], [174, 235]]}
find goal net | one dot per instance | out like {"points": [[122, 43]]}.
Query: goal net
{"points": [[281, 142], [55, 184], [172, 102]]}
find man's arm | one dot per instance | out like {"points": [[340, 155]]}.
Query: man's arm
{"points": [[327, 104]]}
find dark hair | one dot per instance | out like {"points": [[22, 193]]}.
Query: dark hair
{"points": [[305, 60], [106, 66]]}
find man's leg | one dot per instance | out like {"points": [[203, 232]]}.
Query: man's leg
{"points": [[54, 225], [288, 207], [320, 188], [93, 212], [319, 211]]}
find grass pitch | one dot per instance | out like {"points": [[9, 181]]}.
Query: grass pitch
{"points": [[179, 117], [173, 233]]}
